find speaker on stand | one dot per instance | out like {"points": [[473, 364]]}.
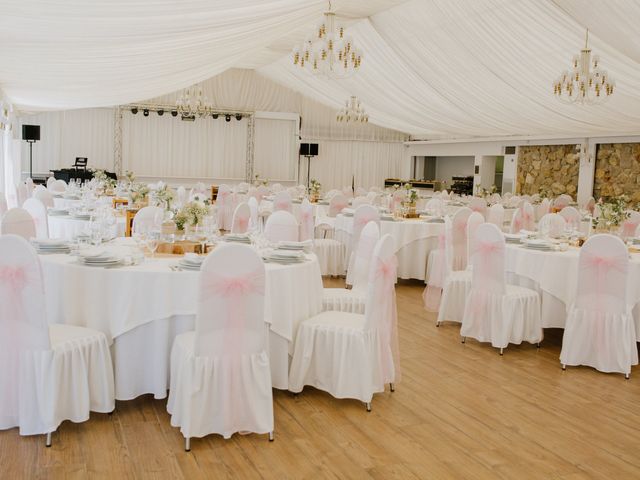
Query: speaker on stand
{"points": [[31, 134], [308, 150]]}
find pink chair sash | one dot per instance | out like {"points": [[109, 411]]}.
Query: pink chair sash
{"points": [[432, 294], [387, 272]]}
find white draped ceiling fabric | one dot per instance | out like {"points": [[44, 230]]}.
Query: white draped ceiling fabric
{"points": [[431, 68]]}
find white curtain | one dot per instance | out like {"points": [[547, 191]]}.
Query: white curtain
{"points": [[69, 134], [9, 152], [168, 147], [275, 149], [369, 163]]}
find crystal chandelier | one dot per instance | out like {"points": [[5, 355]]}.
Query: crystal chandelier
{"points": [[587, 83], [192, 103], [352, 112], [329, 51]]}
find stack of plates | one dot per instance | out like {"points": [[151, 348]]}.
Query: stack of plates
{"points": [[435, 220], [513, 237], [386, 217], [57, 212], [96, 258], [191, 262], [237, 238], [71, 196], [296, 246], [538, 244], [348, 212], [51, 245], [82, 216], [285, 257]]}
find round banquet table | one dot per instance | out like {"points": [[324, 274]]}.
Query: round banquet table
{"points": [[141, 309], [414, 239], [62, 202], [67, 227], [554, 275]]}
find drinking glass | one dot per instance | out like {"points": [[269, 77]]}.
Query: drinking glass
{"points": [[152, 241]]}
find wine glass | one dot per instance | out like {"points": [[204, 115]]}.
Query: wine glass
{"points": [[152, 242]]}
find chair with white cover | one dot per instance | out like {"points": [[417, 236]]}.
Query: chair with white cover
{"points": [[350, 355], [347, 192], [572, 216], [362, 215], [225, 203], [360, 192], [44, 196], [440, 266], [18, 221], [282, 201], [494, 311], [48, 373], [552, 225], [542, 209], [22, 193], [57, 186], [276, 187], [495, 215], [148, 219], [562, 201], [241, 218], [435, 207], [354, 300], [254, 221], [360, 201], [330, 252], [630, 224], [397, 197], [590, 205], [307, 225], [457, 284], [478, 204], [220, 373], [38, 211], [495, 198], [50, 181], [281, 226], [523, 219], [599, 331], [332, 193]]}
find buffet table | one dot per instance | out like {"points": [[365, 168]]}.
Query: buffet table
{"points": [[141, 309]]}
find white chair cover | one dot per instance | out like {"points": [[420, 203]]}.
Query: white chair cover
{"points": [[337, 203], [362, 215], [307, 226], [50, 181], [220, 373], [225, 201], [282, 201], [496, 312], [44, 196], [478, 204], [360, 201], [562, 201], [18, 221], [440, 263], [397, 198], [254, 222], [630, 225], [241, 218], [148, 219], [495, 215], [350, 355], [276, 187], [572, 216], [542, 208], [435, 206], [281, 226], [332, 193], [590, 205], [495, 198], [473, 222], [459, 238], [38, 211], [22, 193], [523, 219], [57, 186], [3, 205], [600, 330], [552, 225], [47, 374], [360, 192]]}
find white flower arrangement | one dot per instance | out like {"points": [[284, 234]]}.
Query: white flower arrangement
{"points": [[611, 212], [139, 192], [191, 214], [165, 195], [315, 187]]}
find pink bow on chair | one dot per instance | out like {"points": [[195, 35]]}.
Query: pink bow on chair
{"points": [[16, 279], [282, 205], [389, 329], [362, 221]]}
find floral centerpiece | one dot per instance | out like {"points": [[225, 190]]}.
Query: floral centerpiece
{"points": [[610, 213], [410, 201], [164, 196], [104, 182], [129, 177], [139, 193], [486, 192], [314, 190], [190, 215]]}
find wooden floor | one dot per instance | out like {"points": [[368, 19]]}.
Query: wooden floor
{"points": [[460, 411]]}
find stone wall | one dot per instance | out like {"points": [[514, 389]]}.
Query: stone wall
{"points": [[617, 171], [550, 168]]}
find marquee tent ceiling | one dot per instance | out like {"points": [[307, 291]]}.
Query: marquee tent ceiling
{"points": [[431, 68]]}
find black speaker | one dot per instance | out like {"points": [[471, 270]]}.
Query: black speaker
{"points": [[31, 133], [309, 149]]}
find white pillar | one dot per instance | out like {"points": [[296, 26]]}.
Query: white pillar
{"points": [[586, 174], [510, 171]]}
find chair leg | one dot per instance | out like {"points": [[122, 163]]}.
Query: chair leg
{"points": [[368, 405], [501, 351], [392, 387], [437, 324], [271, 436], [538, 345], [463, 339], [564, 367], [48, 440], [627, 376], [187, 444]]}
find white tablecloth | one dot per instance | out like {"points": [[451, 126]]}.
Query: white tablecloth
{"points": [[414, 239], [555, 276], [142, 308], [67, 227], [61, 202], [318, 210]]}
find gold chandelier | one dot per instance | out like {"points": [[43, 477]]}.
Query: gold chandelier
{"points": [[352, 112], [328, 51], [586, 83], [192, 103]]}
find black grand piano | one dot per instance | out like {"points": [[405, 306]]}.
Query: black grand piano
{"points": [[78, 171]]}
